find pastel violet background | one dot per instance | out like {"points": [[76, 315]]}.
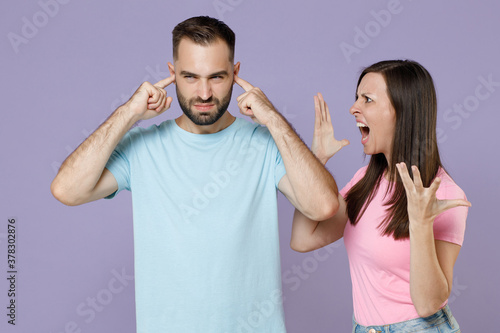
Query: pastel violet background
{"points": [[66, 67]]}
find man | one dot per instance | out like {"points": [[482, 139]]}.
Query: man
{"points": [[203, 190]]}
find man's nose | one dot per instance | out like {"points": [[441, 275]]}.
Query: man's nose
{"points": [[204, 90]]}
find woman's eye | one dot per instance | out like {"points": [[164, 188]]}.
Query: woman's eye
{"points": [[368, 99]]}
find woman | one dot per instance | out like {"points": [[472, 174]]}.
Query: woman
{"points": [[402, 236]]}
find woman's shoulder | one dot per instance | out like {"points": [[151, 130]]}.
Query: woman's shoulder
{"points": [[356, 178], [448, 189], [360, 173]]}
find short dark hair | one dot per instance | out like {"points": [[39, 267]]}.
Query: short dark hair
{"points": [[412, 94], [203, 30]]}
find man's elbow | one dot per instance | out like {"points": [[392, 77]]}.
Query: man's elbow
{"points": [[301, 246], [324, 211], [62, 195]]}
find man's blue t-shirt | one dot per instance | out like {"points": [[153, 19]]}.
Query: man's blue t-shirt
{"points": [[205, 227]]}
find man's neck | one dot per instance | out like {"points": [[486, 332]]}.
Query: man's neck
{"points": [[186, 124]]}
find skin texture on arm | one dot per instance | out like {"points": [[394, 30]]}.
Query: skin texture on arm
{"points": [[308, 234], [431, 261], [83, 177], [307, 184]]}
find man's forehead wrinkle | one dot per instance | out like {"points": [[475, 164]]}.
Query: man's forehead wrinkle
{"points": [[203, 67]]}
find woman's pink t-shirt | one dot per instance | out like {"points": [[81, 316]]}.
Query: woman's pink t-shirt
{"points": [[380, 265]]}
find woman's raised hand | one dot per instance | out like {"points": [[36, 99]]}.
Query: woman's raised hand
{"points": [[423, 205], [324, 144]]}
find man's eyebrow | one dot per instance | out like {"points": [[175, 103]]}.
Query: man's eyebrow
{"points": [[219, 73], [188, 73]]}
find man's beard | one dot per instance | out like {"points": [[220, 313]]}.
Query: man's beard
{"points": [[204, 118]]}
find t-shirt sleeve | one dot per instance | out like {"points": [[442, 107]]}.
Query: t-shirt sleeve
{"points": [[280, 170], [273, 155], [119, 164], [357, 176], [449, 226]]}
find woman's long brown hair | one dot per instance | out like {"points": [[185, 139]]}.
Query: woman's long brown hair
{"points": [[412, 94]]}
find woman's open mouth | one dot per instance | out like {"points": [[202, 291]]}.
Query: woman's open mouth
{"points": [[365, 131]]}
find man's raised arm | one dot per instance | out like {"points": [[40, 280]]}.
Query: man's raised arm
{"points": [[83, 177], [307, 184]]}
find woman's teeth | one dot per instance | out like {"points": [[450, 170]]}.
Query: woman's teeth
{"points": [[365, 131]]}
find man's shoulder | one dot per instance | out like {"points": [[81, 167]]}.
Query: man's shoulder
{"points": [[151, 130], [139, 136], [245, 127]]}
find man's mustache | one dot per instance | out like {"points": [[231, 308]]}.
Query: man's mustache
{"points": [[199, 100]]}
